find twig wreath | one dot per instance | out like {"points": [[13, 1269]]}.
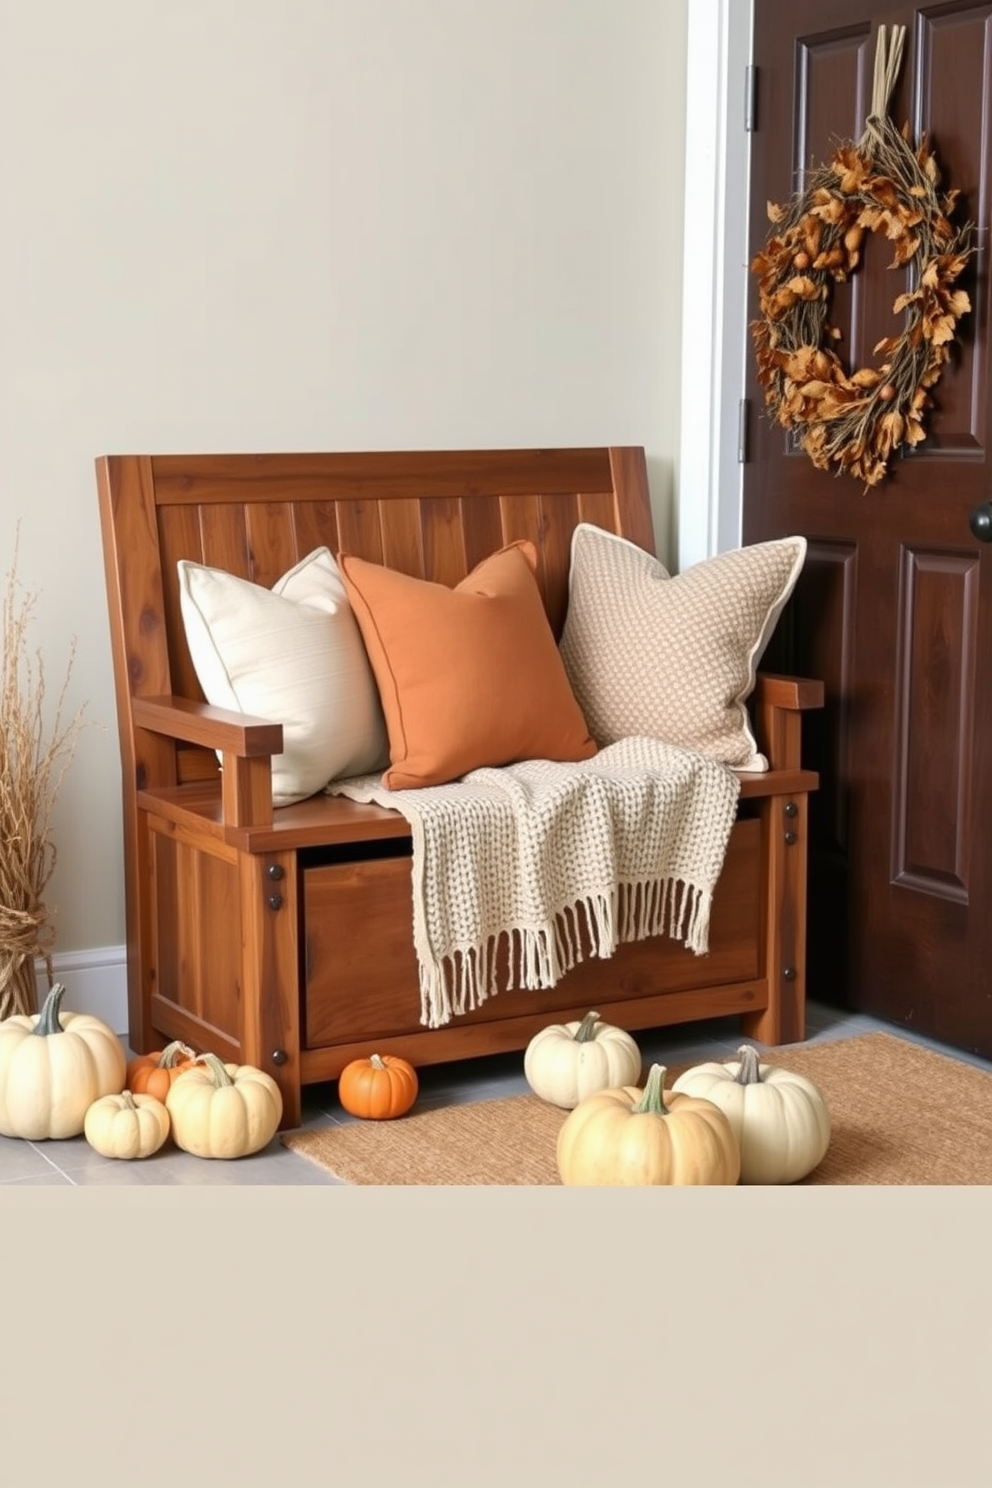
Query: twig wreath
{"points": [[855, 421]]}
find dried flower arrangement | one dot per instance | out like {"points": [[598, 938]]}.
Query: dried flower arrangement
{"points": [[853, 422], [33, 763]]}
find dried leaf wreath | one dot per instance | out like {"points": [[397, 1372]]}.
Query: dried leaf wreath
{"points": [[855, 421]]}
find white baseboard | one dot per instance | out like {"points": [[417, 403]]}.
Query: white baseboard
{"points": [[95, 982]]}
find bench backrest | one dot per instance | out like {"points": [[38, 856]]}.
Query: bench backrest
{"points": [[433, 514]]}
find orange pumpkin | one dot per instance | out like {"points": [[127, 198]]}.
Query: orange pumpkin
{"points": [[153, 1074], [378, 1088]]}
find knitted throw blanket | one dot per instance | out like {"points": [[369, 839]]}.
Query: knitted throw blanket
{"points": [[622, 846]]}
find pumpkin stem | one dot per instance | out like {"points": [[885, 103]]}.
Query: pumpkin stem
{"points": [[216, 1067], [127, 1101], [653, 1099], [376, 1062], [749, 1072], [170, 1055], [587, 1028], [48, 1019]]}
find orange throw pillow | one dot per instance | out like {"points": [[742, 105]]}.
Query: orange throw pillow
{"points": [[469, 676]]}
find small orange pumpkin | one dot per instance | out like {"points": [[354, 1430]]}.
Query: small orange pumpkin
{"points": [[153, 1074], [378, 1088]]}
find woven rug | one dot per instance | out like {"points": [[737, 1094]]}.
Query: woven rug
{"points": [[900, 1114]]}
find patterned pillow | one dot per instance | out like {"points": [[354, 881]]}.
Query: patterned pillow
{"points": [[673, 658]]}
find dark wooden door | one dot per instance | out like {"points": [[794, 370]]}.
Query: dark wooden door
{"points": [[894, 609]]}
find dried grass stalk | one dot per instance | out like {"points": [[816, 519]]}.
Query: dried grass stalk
{"points": [[33, 763]]}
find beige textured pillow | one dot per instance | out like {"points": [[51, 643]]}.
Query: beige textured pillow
{"points": [[673, 658], [294, 655]]}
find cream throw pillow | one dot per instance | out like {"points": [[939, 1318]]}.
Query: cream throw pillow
{"points": [[673, 658], [292, 655]]}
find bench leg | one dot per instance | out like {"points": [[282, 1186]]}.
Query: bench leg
{"points": [[270, 973], [784, 850]]}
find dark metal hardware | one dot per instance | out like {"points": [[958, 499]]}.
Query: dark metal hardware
{"points": [[980, 522], [789, 972], [275, 901], [790, 838], [279, 1056], [276, 872], [791, 809]]}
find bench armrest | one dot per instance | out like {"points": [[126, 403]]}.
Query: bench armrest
{"points": [[246, 746], [214, 728], [788, 692], [778, 703]]}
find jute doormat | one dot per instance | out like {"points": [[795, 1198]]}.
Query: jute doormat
{"points": [[900, 1114]]}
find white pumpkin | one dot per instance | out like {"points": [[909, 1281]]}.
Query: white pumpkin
{"points": [[223, 1110], [780, 1119], [126, 1125], [53, 1066], [565, 1062]]}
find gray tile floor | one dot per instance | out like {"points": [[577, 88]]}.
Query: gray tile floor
{"points": [[75, 1162]]}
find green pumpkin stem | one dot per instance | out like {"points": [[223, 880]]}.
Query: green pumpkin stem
{"points": [[216, 1067], [48, 1019], [587, 1028], [749, 1072], [653, 1099], [170, 1055]]}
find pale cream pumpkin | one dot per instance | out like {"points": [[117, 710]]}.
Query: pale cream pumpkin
{"points": [[565, 1062], [632, 1136], [53, 1066], [780, 1119], [127, 1126], [223, 1110]]}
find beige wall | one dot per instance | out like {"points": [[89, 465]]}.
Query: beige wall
{"points": [[315, 224]]}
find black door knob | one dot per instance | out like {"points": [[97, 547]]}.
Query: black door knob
{"points": [[980, 522]]}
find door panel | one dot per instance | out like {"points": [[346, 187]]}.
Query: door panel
{"points": [[934, 707], [894, 607], [955, 85]]}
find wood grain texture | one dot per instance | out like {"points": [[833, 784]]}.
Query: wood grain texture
{"points": [[365, 987], [284, 938], [893, 609]]}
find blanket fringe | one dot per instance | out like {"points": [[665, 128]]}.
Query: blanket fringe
{"points": [[540, 956]]}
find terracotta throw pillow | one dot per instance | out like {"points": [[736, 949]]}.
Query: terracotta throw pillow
{"points": [[469, 676], [673, 658]]}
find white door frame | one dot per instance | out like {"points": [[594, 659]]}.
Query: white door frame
{"points": [[714, 278]]}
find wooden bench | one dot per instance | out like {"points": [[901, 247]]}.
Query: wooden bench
{"points": [[283, 938]]}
